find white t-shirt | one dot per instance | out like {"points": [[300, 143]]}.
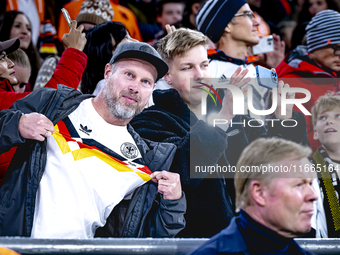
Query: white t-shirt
{"points": [[82, 183]]}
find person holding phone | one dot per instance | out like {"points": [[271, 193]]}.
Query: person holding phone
{"points": [[233, 27]]}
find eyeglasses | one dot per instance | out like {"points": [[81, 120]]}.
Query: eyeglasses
{"points": [[336, 49], [249, 14]]}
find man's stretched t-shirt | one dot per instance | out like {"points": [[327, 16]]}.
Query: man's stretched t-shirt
{"points": [[91, 166]]}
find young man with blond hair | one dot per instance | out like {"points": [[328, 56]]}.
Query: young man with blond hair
{"points": [[275, 206], [326, 161], [175, 118]]}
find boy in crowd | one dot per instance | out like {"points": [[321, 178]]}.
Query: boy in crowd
{"points": [[169, 11], [326, 161], [315, 67], [22, 69]]}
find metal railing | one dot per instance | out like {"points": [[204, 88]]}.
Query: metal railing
{"points": [[124, 246]]}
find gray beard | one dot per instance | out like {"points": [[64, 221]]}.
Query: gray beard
{"points": [[118, 110]]}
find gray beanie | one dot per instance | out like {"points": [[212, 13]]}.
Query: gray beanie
{"points": [[323, 30], [143, 51], [215, 15]]}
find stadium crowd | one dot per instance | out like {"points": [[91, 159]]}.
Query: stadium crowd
{"points": [[105, 119]]}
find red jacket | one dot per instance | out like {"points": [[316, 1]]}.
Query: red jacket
{"points": [[298, 70], [69, 71]]}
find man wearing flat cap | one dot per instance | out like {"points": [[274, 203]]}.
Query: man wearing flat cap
{"points": [[80, 170]]}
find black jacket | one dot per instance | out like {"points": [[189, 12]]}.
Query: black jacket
{"points": [[210, 196], [147, 214]]}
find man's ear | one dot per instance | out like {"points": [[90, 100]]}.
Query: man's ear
{"points": [[315, 135], [227, 29], [107, 72], [258, 192], [168, 79]]}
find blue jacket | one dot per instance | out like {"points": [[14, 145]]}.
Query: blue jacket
{"points": [[147, 214], [262, 240]]}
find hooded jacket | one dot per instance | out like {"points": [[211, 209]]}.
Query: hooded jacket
{"points": [[147, 214], [298, 70]]}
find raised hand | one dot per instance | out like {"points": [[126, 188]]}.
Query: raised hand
{"points": [[170, 29], [238, 79], [75, 38], [274, 58]]}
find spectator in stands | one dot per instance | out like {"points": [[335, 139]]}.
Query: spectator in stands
{"points": [[102, 40], [93, 164], [145, 12], [120, 14], [231, 24], [275, 207], [176, 118], [190, 13], [168, 12], [17, 24], [326, 160], [312, 7], [309, 9], [34, 11], [69, 71], [22, 69], [93, 13], [318, 70], [267, 59]]}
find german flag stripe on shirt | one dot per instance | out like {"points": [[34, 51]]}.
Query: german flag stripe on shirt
{"points": [[63, 137]]}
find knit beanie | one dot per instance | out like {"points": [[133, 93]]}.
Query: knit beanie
{"points": [[47, 39], [323, 30], [215, 15], [95, 12]]}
